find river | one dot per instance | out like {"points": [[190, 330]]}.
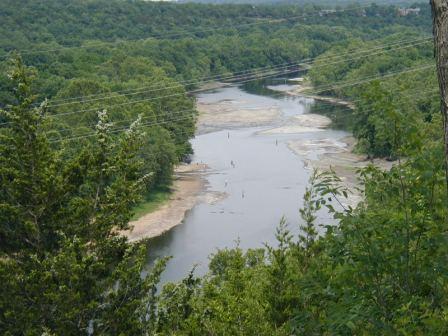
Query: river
{"points": [[264, 180]]}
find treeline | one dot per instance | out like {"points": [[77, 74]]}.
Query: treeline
{"points": [[305, 2], [27, 23]]}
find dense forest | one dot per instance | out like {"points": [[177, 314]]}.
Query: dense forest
{"points": [[97, 107], [308, 2]]}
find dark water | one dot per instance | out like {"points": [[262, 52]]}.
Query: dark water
{"points": [[266, 183]]}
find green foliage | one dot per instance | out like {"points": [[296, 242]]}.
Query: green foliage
{"points": [[381, 271], [69, 184], [64, 267]]}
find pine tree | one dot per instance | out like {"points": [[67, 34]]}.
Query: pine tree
{"points": [[65, 268]]}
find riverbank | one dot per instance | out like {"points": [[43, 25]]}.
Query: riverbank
{"points": [[303, 88], [230, 114], [339, 157], [187, 188], [336, 155]]}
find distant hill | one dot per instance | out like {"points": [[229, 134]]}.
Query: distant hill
{"points": [[303, 2]]}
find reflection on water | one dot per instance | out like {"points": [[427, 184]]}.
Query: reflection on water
{"points": [[263, 179]]}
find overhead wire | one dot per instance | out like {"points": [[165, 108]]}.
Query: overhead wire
{"points": [[155, 123], [314, 91], [409, 44], [201, 90], [330, 106], [242, 73], [321, 89]]}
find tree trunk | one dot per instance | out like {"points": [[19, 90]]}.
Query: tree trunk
{"points": [[440, 31]]}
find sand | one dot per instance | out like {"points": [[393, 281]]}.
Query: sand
{"points": [[301, 90], [228, 114], [304, 123], [291, 129], [339, 157], [187, 191]]}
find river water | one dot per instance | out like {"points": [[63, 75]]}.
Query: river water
{"points": [[263, 179]]}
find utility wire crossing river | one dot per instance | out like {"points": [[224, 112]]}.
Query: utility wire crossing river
{"points": [[255, 163]]}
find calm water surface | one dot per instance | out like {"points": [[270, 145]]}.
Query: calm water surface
{"points": [[266, 183]]}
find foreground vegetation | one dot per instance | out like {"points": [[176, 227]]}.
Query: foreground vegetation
{"points": [[70, 184]]}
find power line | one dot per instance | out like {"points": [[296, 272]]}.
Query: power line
{"points": [[77, 137], [371, 78], [199, 90], [242, 73], [322, 109], [187, 133], [345, 85], [403, 46], [241, 82], [316, 90], [148, 99], [231, 78]]}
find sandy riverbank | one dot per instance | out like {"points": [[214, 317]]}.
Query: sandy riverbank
{"points": [[187, 188], [228, 114], [339, 157], [304, 89]]}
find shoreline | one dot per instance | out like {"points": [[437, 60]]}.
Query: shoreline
{"points": [[338, 155], [188, 185], [330, 154], [300, 91]]}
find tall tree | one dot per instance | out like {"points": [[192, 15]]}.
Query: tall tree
{"points": [[440, 31], [64, 267]]}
